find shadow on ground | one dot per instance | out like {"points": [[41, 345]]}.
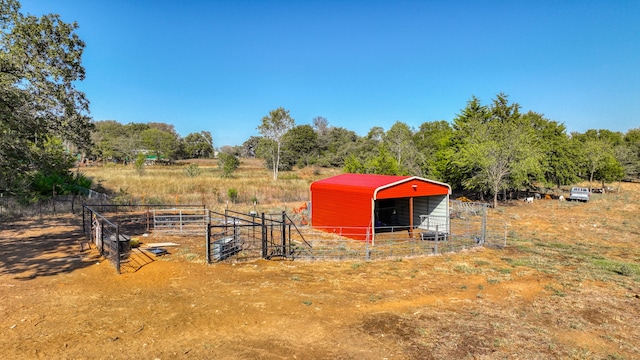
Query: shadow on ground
{"points": [[55, 251]]}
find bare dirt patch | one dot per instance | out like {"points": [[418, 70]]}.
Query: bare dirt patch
{"points": [[565, 287]]}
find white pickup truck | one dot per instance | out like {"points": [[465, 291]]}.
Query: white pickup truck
{"points": [[579, 194]]}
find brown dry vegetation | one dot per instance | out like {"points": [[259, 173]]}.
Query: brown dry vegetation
{"points": [[171, 184], [566, 286]]}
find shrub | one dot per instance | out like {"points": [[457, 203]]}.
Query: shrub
{"points": [[193, 170], [233, 194], [139, 164], [228, 163]]}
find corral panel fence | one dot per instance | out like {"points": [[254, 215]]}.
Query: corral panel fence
{"points": [[239, 236], [250, 236], [180, 221], [110, 228], [140, 218], [106, 236]]}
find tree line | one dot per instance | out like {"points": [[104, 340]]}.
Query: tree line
{"points": [[115, 142], [489, 148]]}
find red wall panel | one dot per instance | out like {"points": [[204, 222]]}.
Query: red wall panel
{"points": [[342, 203]]}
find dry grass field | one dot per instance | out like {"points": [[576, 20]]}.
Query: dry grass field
{"points": [[172, 185], [567, 286]]}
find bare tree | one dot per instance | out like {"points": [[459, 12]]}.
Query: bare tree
{"points": [[273, 128], [321, 125]]}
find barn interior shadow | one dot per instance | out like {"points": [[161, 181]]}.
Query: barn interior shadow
{"points": [[43, 247]]}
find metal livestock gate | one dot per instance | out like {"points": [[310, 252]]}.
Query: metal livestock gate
{"points": [[112, 242], [250, 236]]}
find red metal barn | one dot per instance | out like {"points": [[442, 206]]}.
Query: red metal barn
{"points": [[355, 205]]}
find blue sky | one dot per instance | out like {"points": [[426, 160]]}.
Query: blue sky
{"points": [[220, 66]]}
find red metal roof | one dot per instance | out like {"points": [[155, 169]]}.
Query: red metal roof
{"points": [[369, 183]]}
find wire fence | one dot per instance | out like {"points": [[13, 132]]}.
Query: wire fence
{"points": [[398, 244], [238, 236], [466, 227], [12, 207]]}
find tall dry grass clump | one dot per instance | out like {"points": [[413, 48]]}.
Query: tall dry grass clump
{"points": [[252, 183]]}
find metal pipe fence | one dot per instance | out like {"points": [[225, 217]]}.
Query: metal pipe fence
{"points": [[106, 236], [239, 237], [110, 228]]}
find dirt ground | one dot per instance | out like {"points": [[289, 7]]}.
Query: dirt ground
{"points": [[566, 286]]}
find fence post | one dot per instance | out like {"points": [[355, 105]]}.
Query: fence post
{"points": [[435, 248], [367, 250], [147, 214], [101, 237], [208, 238], [284, 234], [484, 224], [118, 248], [264, 237]]}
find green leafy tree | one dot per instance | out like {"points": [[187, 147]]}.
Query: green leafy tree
{"points": [[628, 154], [336, 145], [362, 152], [40, 63], [198, 145], [228, 163], [161, 143], [250, 147], [499, 150], [117, 142], [613, 138], [598, 155], [610, 170], [54, 172], [104, 139], [399, 142], [273, 128], [469, 133], [168, 128], [560, 157], [434, 142], [299, 147], [352, 164], [384, 164]]}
